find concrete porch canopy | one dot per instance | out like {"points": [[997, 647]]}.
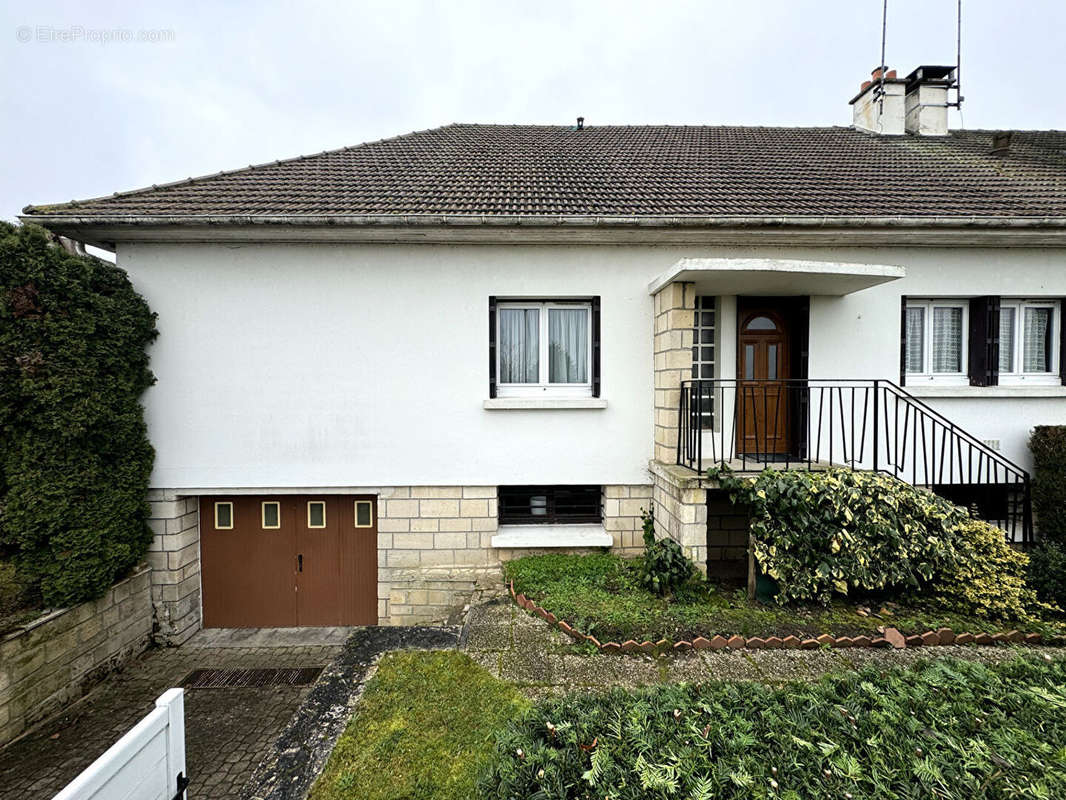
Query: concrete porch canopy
{"points": [[775, 277]]}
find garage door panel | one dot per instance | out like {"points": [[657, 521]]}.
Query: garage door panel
{"points": [[248, 572], [290, 563]]}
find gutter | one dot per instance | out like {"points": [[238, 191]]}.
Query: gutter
{"points": [[471, 220]]}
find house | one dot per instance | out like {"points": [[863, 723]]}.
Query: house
{"points": [[383, 369]]}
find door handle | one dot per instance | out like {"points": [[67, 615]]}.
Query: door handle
{"points": [[300, 562]]}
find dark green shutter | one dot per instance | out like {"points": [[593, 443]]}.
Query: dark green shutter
{"points": [[984, 341], [903, 340], [492, 347], [596, 346]]}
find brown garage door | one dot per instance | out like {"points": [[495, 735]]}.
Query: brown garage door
{"points": [[288, 560]]}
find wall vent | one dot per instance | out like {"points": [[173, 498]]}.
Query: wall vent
{"points": [[992, 443]]}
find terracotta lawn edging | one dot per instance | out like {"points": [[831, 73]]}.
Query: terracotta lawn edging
{"points": [[890, 638]]}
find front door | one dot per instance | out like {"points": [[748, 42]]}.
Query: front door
{"points": [[762, 392], [280, 561]]}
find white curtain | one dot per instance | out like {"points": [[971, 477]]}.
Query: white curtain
{"points": [[1035, 341], [915, 339], [1006, 340], [947, 339], [519, 345], [568, 345]]}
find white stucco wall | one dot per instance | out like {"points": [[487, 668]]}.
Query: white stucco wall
{"points": [[367, 365]]}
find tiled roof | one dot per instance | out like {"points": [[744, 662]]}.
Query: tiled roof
{"points": [[622, 171]]}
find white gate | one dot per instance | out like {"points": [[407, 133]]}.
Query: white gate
{"points": [[148, 763]]}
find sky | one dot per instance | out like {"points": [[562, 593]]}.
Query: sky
{"points": [[123, 95]]}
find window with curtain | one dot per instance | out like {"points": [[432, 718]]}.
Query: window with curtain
{"points": [[915, 355], [1028, 344], [947, 339], [935, 345], [543, 348], [1007, 315]]}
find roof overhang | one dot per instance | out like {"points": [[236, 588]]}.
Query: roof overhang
{"points": [[775, 277], [107, 231]]}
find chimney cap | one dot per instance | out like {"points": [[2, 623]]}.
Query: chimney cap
{"points": [[929, 73]]}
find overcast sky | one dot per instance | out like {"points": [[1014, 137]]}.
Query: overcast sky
{"points": [[116, 96]]}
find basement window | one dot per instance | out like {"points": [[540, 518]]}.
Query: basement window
{"points": [[549, 505]]}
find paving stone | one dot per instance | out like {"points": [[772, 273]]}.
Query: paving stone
{"points": [[227, 731]]}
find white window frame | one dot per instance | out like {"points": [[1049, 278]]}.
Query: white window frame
{"points": [[1017, 377], [544, 388], [926, 375]]}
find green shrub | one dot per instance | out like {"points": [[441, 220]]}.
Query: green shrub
{"points": [[949, 729], [1047, 573], [846, 532], [76, 460], [1048, 446], [665, 566]]}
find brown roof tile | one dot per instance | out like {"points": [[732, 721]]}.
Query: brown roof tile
{"points": [[613, 171]]}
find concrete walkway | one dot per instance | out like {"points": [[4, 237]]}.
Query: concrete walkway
{"points": [[228, 731], [516, 646]]}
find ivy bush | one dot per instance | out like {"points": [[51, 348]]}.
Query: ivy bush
{"points": [[847, 532], [947, 729], [76, 460], [1048, 446], [665, 566]]}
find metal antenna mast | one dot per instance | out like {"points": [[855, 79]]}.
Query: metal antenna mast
{"points": [[881, 86]]}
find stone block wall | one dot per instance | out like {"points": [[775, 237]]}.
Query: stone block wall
{"points": [[681, 510], [622, 506], [55, 659], [434, 550], [174, 557], [675, 306]]}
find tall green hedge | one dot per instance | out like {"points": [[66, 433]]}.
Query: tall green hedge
{"points": [[1048, 445], [75, 458]]}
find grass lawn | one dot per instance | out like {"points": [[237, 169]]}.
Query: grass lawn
{"points": [[423, 728], [600, 595]]}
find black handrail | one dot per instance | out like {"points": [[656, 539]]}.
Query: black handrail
{"points": [[868, 424]]}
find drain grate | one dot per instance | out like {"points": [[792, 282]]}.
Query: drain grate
{"points": [[239, 678]]}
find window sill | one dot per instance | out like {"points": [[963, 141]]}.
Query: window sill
{"points": [[987, 391], [543, 403], [522, 536]]}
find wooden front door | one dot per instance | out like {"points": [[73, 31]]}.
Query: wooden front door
{"points": [[281, 561], [762, 393]]}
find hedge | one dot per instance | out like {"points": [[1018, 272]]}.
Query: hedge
{"points": [[948, 729], [1048, 446], [76, 460], [844, 532]]}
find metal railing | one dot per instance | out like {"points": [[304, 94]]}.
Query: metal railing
{"points": [[862, 424]]}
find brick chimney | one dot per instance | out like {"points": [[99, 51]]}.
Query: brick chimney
{"points": [[879, 105]]}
